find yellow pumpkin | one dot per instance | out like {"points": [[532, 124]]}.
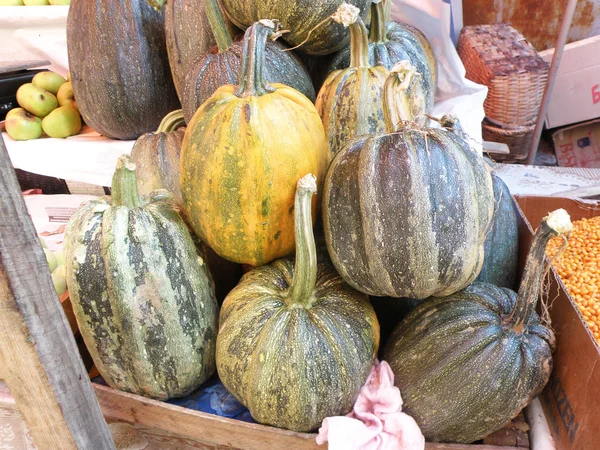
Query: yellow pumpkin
{"points": [[243, 152]]}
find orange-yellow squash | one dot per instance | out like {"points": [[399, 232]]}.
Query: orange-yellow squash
{"points": [[242, 154]]}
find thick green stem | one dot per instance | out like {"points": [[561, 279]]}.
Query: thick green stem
{"points": [[380, 16], [171, 121], [359, 45], [218, 26], [404, 99], [252, 81], [124, 190], [556, 223], [305, 269]]}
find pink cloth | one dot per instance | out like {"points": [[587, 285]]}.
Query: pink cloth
{"points": [[376, 421]]}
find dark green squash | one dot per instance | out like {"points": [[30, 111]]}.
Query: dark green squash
{"points": [[468, 363], [405, 213], [501, 246], [141, 292], [188, 36], [300, 17], [349, 101], [391, 42], [156, 156], [295, 342], [216, 69], [119, 66]]}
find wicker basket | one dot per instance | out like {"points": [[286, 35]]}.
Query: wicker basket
{"points": [[499, 57], [518, 140]]}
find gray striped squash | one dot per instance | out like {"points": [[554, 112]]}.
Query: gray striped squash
{"points": [[405, 213], [215, 69], [142, 294], [468, 363], [295, 342]]}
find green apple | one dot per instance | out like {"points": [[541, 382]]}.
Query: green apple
{"points": [[42, 242], [63, 122], [48, 81], [37, 101], [60, 257], [51, 260], [60, 282], [22, 125], [65, 95], [35, 2], [11, 3], [60, 2]]}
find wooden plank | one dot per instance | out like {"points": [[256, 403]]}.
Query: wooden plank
{"points": [[39, 358], [13, 66], [214, 431]]}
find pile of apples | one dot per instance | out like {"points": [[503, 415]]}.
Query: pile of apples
{"points": [[56, 264], [47, 105], [33, 2]]}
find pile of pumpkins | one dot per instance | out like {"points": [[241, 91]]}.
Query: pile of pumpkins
{"points": [[411, 218]]}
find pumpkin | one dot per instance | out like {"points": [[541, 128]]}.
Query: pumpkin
{"points": [[295, 342], [217, 69], [501, 247], [349, 101], [405, 213], [468, 363], [391, 42], [188, 36], [119, 67], [156, 156], [306, 20], [242, 154], [142, 294]]}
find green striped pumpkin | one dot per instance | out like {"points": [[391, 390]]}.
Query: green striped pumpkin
{"points": [[468, 363], [295, 342], [405, 213], [142, 294]]}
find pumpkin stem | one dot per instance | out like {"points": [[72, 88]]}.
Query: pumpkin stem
{"points": [[218, 26], [348, 15], [305, 268], [380, 17], [404, 99], [124, 185], [554, 224], [252, 81], [171, 122]]}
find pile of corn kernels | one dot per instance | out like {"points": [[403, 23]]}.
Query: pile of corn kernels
{"points": [[579, 269]]}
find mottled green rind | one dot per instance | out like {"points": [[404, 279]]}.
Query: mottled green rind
{"points": [[462, 370], [291, 366], [405, 214], [298, 16], [119, 66], [214, 70], [501, 259], [143, 296]]}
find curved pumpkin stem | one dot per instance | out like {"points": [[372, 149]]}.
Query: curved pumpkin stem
{"points": [[171, 122], [305, 268], [253, 60], [348, 15], [404, 99], [218, 26], [380, 17], [554, 224], [124, 185]]}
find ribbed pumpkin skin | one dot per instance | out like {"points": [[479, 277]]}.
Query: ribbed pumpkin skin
{"points": [[298, 16], [156, 156], [143, 297], [292, 366], [459, 348], [349, 104], [502, 240], [405, 214], [218, 69], [188, 36], [119, 67], [241, 158]]}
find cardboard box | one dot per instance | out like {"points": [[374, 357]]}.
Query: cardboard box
{"points": [[578, 145], [576, 94], [571, 400]]}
